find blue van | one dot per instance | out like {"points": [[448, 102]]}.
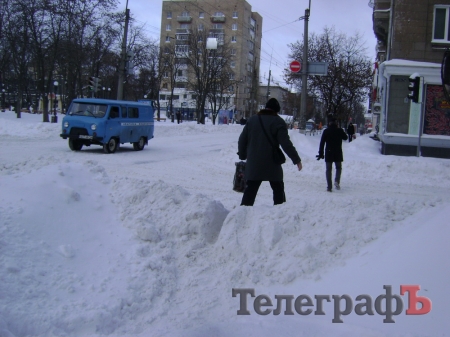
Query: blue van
{"points": [[108, 123]]}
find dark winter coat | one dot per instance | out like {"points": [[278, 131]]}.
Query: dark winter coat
{"points": [[332, 137], [351, 129], [254, 146]]}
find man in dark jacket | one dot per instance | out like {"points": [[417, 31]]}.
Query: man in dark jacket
{"points": [[350, 131], [332, 137], [256, 147]]}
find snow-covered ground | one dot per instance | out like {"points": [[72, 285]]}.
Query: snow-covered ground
{"points": [[152, 242]]}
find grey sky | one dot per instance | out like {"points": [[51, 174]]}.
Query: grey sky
{"points": [[281, 25]]}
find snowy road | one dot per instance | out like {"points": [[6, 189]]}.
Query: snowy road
{"points": [[152, 242]]}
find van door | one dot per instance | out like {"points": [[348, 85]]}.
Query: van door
{"points": [[112, 128], [126, 129], [133, 120]]}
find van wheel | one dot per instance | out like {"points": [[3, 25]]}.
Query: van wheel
{"points": [[138, 146], [75, 145], [111, 146]]}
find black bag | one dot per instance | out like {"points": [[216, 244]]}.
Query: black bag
{"points": [[239, 181], [278, 155]]}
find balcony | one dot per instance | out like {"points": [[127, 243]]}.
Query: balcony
{"points": [[218, 19], [184, 19], [381, 15], [183, 31], [181, 79], [216, 31]]}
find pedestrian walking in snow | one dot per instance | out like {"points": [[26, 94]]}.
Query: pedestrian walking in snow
{"points": [[332, 138], [350, 132], [261, 137]]}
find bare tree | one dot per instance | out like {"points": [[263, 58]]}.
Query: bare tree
{"points": [[173, 62], [209, 69], [349, 70]]}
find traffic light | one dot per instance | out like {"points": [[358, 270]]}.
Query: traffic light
{"points": [[414, 87], [91, 83], [96, 84]]}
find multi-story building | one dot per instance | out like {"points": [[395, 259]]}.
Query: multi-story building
{"points": [[232, 22], [273, 91], [412, 38]]}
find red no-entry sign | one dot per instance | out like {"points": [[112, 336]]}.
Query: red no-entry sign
{"points": [[295, 66]]}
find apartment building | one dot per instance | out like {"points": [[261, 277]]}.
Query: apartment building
{"points": [[413, 36], [232, 22]]}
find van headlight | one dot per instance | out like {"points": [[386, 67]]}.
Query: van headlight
{"points": [[66, 124], [93, 127]]}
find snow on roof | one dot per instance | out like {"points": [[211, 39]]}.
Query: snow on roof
{"points": [[409, 63]]}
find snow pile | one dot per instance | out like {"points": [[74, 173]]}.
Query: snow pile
{"points": [[150, 243]]}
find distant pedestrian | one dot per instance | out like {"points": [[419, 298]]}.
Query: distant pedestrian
{"points": [[350, 132], [178, 116], [262, 133], [332, 137]]}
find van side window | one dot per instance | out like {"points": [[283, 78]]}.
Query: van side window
{"points": [[114, 112], [133, 112], [124, 112]]}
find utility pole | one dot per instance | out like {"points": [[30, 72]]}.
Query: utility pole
{"points": [[304, 67], [123, 55], [268, 86]]}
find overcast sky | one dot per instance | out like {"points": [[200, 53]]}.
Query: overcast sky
{"points": [[281, 25]]}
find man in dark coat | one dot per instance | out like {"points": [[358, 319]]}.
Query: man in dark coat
{"points": [[332, 137], [350, 131], [254, 146]]}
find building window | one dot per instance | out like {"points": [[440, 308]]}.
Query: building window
{"points": [[217, 26], [233, 64], [441, 24], [168, 27], [235, 15], [234, 26], [180, 73], [201, 27], [233, 39], [233, 51], [167, 38], [219, 14], [185, 14], [182, 49], [169, 15], [166, 74], [201, 15], [164, 85]]}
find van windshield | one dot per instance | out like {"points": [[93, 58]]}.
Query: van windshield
{"points": [[87, 109]]}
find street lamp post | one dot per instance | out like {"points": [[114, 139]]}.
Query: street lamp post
{"points": [[3, 100], [109, 92], [305, 66], [54, 118]]}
